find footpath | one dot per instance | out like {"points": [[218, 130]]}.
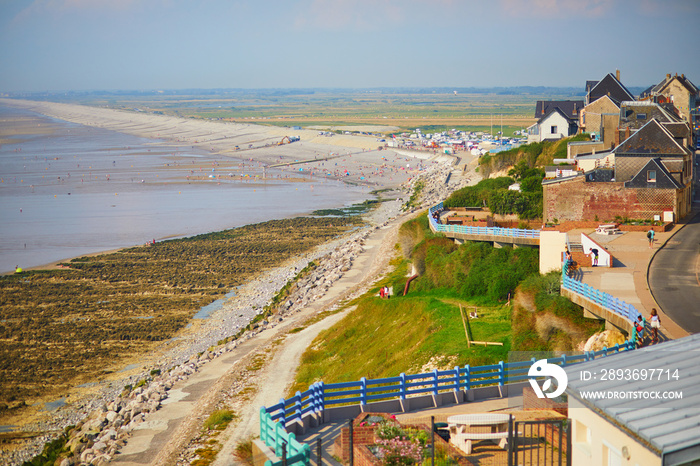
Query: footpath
{"points": [[628, 278]]}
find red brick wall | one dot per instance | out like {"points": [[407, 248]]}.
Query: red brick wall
{"points": [[577, 225], [531, 401], [363, 457], [577, 200]]}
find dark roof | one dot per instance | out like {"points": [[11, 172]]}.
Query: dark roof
{"points": [[669, 425], [664, 179], [611, 87], [651, 139], [569, 108], [590, 85], [638, 113]]}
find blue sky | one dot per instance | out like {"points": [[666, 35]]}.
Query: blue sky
{"points": [[174, 44]]}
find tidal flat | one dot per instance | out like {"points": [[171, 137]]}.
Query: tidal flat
{"points": [[76, 324]]}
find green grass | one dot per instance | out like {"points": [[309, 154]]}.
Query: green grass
{"points": [[219, 420], [385, 337]]}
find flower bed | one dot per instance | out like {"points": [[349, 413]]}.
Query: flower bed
{"points": [[379, 439]]}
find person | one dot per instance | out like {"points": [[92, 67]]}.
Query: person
{"points": [[567, 261], [650, 235], [594, 256], [386, 292], [381, 292], [639, 327], [655, 325]]}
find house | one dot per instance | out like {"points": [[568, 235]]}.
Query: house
{"points": [[634, 115], [677, 90], [599, 118], [651, 173], [637, 419], [556, 119]]}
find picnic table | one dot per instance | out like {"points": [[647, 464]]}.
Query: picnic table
{"points": [[460, 429]]}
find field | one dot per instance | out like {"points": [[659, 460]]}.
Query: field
{"points": [[395, 110]]}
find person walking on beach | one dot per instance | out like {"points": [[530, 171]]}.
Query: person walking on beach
{"points": [[650, 235], [655, 325]]}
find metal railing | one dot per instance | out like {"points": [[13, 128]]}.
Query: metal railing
{"points": [[285, 443], [467, 230], [601, 298]]}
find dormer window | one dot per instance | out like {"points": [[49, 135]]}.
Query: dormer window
{"points": [[651, 176]]}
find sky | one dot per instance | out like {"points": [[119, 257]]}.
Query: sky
{"points": [[82, 45]]}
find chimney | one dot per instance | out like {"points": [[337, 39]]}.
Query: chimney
{"points": [[683, 76], [668, 75], [617, 74]]}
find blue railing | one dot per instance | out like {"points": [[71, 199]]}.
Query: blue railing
{"points": [[493, 231], [601, 298], [321, 395]]}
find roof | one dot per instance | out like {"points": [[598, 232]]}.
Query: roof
{"points": [[670, 426], [651, 139], [568, 108], [664, 179], [636, 114], [658, 89], [611, 87], [596, 156]]}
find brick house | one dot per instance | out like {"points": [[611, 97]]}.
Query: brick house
{"points": [[610, 86]]}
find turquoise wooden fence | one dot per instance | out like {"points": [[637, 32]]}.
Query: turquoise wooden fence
{"points": [[274, 435]]}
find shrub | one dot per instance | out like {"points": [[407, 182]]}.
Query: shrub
{"points": [[219, 420]]}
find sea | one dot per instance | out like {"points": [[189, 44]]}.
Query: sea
{"points": [[68, 190]]}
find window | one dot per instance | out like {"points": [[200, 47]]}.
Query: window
{"points": [[641, 116], [651, 176], [553, 130]]}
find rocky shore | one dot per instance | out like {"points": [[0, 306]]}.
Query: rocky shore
{"points": [[104, 422]]}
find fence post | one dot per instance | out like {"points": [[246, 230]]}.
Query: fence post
{"points": [[502, 373], [352, 459], [435, 382], [297, 406], [563, 359], [363, 387], [283, 419], [468, 375], [458, 386], [263, 426], [402, 388]]}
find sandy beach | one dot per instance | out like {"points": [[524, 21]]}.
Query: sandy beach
{"points": [[356, 158]]}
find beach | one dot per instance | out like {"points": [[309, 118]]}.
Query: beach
{"points": [[360, 170], [102, 181]]}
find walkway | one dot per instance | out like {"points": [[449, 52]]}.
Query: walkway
{"points": [[627, 279]]}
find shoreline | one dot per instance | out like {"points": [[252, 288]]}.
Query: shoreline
{"points": [[226, 321], [321, 158]]}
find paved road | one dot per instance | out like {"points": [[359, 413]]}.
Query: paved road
{"points": [[673, 277]]}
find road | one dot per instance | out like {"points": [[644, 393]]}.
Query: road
{"points": [[673, 277]]}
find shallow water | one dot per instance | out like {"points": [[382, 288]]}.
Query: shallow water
{"points": [[72, 190]]}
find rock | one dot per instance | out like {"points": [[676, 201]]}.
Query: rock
{"points": [[111, 416]]}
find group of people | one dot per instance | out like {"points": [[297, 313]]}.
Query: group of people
{"points": [[640, 325], [384, 292]]}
